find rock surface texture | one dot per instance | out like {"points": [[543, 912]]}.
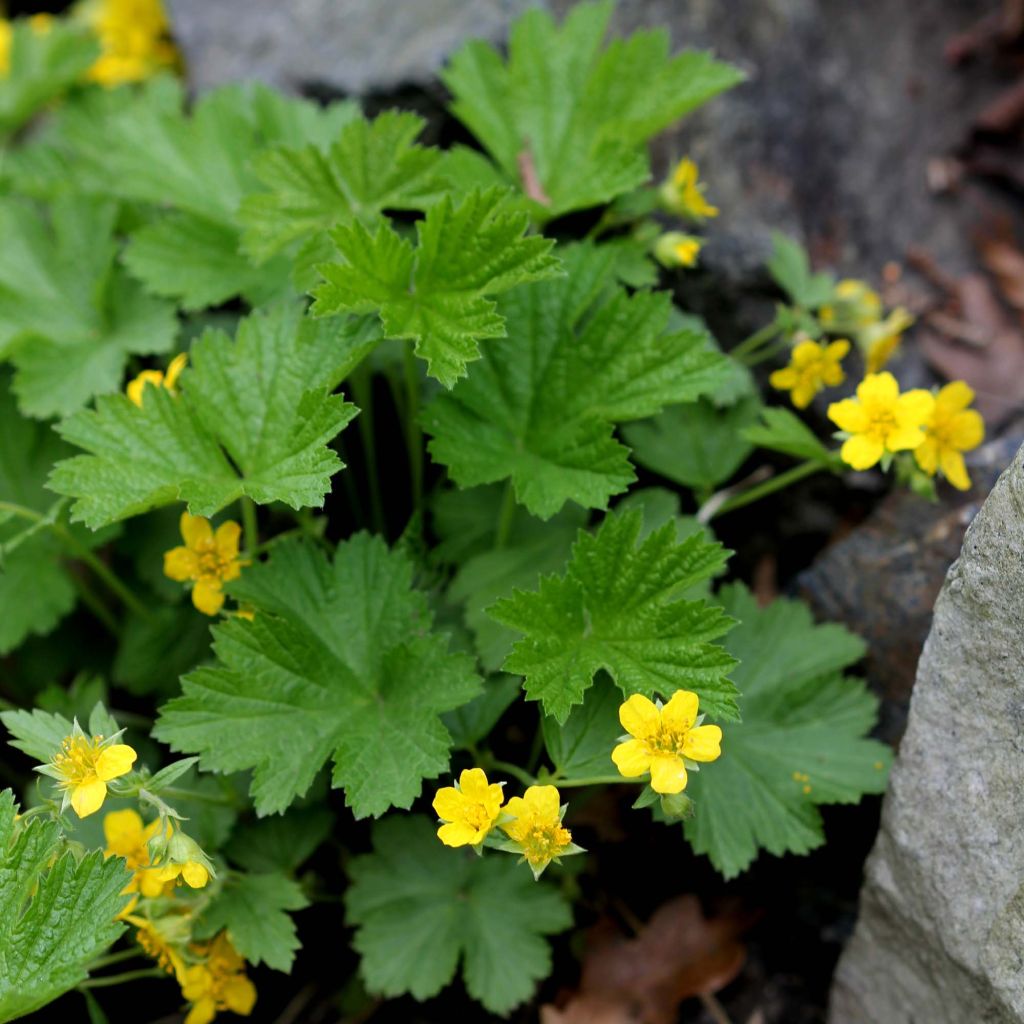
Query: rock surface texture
{"points": [[941, 931], [348, 46]]}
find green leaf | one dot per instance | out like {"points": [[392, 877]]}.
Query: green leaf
{"points": [[36, 733], [533, 549], [253, 908], [617, 608], [540, 408], [281, 843], [474, 721], [254, 417], [582, 747], [791, 269], [196, 166], [332, 666], [420, 908], [436, 293], [696, 445], [566, 121], [69, 315], [373, 166], [56, 912], [781, 430], [42, 66], [801, 742]]}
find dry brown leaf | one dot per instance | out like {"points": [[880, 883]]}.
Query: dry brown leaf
{"points": [[678, 954], [1006, 263]]}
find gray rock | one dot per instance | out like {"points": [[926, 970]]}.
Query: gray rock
{"points": [[941, 930], [346, 46]]}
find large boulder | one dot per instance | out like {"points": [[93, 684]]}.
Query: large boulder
{"points": [[941, 931]]}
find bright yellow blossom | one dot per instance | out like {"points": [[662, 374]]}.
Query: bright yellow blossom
{"points": [[880, 340], [683, 193], [136, 388], [163, 941], [469, 809], [133, 35], [880, 420], [219, 983], [812, 366], [853, 306], [209, 559], [6, 38], [535, 827], [665, 740], [951, 429], [127, 837], [182, 857], [676, 249], [84, 765]]}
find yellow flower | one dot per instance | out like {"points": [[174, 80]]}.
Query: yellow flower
{"points": [[951, 429], [209, 559], [127, 837], [683, 193], [6, 38], [813, 365], [83, 766], [536, 827], [163, 941], [468, 809], [880, 340], [136, 388], [880, 420], [854, 306], [665, 740], [219, 983], [182, 857], [133, 35], [675, 249]]}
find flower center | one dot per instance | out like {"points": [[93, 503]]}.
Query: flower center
{"points": [[881, 419], [541, 841], [210, 561], [476, 816], [76, 761], [666, 741]]}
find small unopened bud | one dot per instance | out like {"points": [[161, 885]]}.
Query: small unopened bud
{"points": [[676, 249], [676, 806]]}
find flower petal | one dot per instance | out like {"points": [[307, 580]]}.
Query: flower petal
{"points": [[926, 455], [473, 783], [195, 530], [967, 430], [174, 368], [848, 415], [703, 743], [180, 564], [239, 993], [956, 395], [88, 797], [114, 761], [123, 831], [861, 451], [195, 874], [904, 438], [680, 712], [784, 379], [207, 595], [914, 408], [543, 800], [639, 716], [203, 1010], [456, 833], [668, 774], [449, 804], [632, 759], [879, 387], [952, 463], [227, 540]]}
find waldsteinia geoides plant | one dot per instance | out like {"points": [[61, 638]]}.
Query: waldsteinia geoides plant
{"points": [[206, 309]]}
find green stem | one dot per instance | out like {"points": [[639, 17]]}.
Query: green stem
{"points": [[755, 341], [776, 483], [203, 798], [118, 979], [362, 392], [250, 525], [413, 433], [114, 958], [594, 780], [512, 769], [762, 355], [83, 554], [506, 516]]}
